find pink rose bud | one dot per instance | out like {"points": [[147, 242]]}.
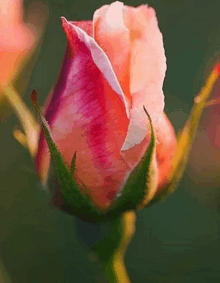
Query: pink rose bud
{"points": [[114, 66]]}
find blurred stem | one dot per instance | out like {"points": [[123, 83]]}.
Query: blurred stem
{"points": [[4, 275], [109, 240], [29, 123], [115, 267], [116, 271]]}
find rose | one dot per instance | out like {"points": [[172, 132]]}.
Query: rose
{"points": [[16, 38], [113, 66]]}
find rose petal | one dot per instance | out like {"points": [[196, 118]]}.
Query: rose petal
{"points": [[148, 66], [147, 41], [113, 37], [101, 60], [138, 123], [87, 26], [16, 38], [166, 149], [11, 12], [87, 116]]}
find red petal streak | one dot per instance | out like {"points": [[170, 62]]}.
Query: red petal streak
{"points": [[87, 116], [84, 25]]}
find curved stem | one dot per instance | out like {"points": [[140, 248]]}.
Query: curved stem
{"points": [[116, 271], [109, 240], [115, 267]]}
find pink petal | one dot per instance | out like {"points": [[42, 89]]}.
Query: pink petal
{"points": [[166, 149], [11, 12], [87, 26], [16, 38], [113, 37], [86, 115], [147, 71], [147, 42], [100, 59]]}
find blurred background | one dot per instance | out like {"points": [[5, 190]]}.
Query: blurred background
{"points": [[177, 240]]}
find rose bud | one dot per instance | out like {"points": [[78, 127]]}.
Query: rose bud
{"points": [[110, 141]]}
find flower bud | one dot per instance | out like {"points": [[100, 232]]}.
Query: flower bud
{"points": [[110, 141]]}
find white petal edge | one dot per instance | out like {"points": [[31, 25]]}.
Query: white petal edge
{"points": [[113, 15], [139, 124], [102, 62]]}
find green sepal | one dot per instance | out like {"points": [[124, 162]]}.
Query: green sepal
{"points": [[109, 242], [103, 238], [140, 181], [78, 203], [60, 178], [186, 137]]}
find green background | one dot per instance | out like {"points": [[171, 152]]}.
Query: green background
{"points": [[177, 240]]}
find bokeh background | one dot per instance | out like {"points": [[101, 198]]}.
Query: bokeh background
{"points": [[177, 240]]}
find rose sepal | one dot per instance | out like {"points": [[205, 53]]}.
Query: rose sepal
{"points": [[73, 196], [132, 196], [187, 135], [141, 181]]}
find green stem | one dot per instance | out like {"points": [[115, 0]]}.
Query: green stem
{"points": [[109, 241], [116, 271], [30, 125], [115, 267]]}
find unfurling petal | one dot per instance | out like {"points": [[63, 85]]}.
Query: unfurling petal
{"points": [[113, 68], [84, 121], [147, 71]]}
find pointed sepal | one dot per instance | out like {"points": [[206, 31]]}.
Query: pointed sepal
{"points": [[141, 183], [136, 193], [60, 175], [186, 136]]}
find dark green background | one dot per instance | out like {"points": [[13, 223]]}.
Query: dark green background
{"points": [[176, 241]]}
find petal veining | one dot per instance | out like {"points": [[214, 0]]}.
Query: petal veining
{"points": [[101, 60], [87, 116]]}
